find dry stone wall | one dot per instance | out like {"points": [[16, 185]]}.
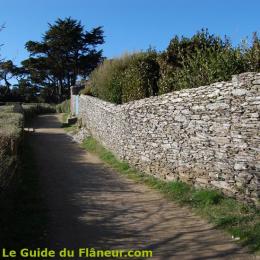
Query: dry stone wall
{"points": [[207, 136]]}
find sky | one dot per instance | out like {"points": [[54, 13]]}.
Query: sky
{"points": [[129, 25]]}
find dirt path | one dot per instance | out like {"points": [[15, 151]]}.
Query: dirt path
{"points": [[92, 206]]}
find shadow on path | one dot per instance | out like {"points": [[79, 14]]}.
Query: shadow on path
{"points": [[92, 206]]}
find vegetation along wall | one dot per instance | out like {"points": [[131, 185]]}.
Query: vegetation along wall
{"points": [[11, 133], [12, 120], [207, 136]]}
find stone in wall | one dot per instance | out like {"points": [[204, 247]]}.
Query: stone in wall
{"points": [[207, 136]]}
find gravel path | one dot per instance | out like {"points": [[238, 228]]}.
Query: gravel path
{"points": [[92, 206]]}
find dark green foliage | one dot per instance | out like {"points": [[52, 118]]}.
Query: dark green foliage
{"points": [[140, 77], [106, 80], [7, 71], [65, 53], [186, 63], [199, 60], [125, 79], [23, 91], [26, 91], [252, 55]]}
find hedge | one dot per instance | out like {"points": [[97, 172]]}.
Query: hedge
{"points": [[11, 127], [12, 118], [130, 77], [186, 63], [63, 107]]}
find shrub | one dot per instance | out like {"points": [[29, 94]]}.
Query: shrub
{"points": [[87, 90], [252, 54], [140, 76], [127, 78], [11, 122], [106, 80], [11, 126], [63, 107], [12, 119], [187, 63], [199, 60], [30, 110]]}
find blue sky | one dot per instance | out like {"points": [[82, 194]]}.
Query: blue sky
{"points": [[129, 25]]}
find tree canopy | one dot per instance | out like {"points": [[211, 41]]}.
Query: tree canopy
{"points": [[66, 53], [7, 71]]}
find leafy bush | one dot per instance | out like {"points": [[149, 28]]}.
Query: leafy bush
{"points": [[87, 90], [12, 119], [252, 54], [11, 122], [141, 76], [127, 78], [186, 63], [199, 60], [63, 107], [30, 110], [11, 126], [106, 80]]}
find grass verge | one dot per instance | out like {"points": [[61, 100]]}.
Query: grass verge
{"points": [[240, 220], [23, 219], [67, 127], [65, 117]]}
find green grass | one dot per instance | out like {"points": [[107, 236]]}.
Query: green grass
{"points": [[67, 127], [240, 220], [11, 122], [33, 109], [65, 117], [23, 218], [70, 128]]}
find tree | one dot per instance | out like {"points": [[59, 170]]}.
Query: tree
{"points": [[7, 71], [66, 53], [252, 54]]}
